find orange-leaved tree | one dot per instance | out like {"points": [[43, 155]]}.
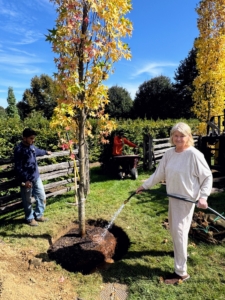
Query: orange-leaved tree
{"points": [[209, 85], [87, 40]]}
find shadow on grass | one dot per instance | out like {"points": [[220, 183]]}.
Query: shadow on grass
{"points": [[153, 253], [128, 274], [98, 175], [156, 196], [11, 214], [32, 236]]}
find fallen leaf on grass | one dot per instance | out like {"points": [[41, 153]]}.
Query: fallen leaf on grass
{"points": [[192, 245], [61, 279], [161, 280]]}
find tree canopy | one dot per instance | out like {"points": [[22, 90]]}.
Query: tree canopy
{"points": [[120, 103], [155, 99], [2, 112], [40, 97], [184, 88], [209, 85]]}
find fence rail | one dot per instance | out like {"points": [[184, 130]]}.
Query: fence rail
{"points": [[154, 149], [56, 175]]}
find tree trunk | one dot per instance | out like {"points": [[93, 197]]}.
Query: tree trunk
{"points": [[82, 119], [82, 157], [87, 168]]}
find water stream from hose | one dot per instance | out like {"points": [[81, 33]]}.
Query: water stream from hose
{"points": [[112, 221], [115, 216]]}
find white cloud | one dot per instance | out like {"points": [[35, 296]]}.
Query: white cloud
{"points": [[26, 71], [17, 60], [20, 21], [19, 35], [21, 51], [154, 69], [29, 38], [8, 12], [39, 5], [14, 83]]}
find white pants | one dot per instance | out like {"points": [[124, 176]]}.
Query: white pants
{"points": [[180, 217]]}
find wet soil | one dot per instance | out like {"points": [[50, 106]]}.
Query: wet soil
{"points": [[89, 253]]}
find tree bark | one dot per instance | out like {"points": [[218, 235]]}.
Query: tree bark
{"points": [[82, 154], [82, 120]]}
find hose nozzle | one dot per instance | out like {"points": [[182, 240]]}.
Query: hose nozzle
{"points": [[128, 199]]}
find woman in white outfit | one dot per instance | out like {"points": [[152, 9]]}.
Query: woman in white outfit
{"points": [[187, 174]]}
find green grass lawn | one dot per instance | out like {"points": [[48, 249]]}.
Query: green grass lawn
{"points": [[150, 254]]}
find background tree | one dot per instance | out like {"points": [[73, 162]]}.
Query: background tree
{"points": [[209, 85], [87, 41], [155, 99], [40, 97], [120, 103], [11, 109], [2, 112], [184, 88]]}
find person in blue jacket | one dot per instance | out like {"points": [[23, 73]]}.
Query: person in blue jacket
{"points": [[27, 173]]}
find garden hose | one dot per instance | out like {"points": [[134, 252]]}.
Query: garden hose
{"points": [[189, 200], [180, 198], [128, 199]]}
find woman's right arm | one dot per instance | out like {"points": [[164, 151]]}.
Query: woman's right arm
{"points": [[156, 177]]}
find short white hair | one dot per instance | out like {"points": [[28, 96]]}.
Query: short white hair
{"points": [[182, 128]]}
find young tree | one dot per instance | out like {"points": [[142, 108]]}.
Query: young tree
{"points": [[120, 103], [11, 109], [87, 41], [209, 85]]}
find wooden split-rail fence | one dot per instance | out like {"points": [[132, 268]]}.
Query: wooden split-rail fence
{"points": [[58, 178], [153, 150]]}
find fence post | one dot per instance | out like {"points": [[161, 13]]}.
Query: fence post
{"points": [[147, 151]]}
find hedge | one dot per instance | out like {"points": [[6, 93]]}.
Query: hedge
{"points": [[47, 138]]}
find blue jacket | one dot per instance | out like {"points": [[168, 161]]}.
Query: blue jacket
{"points": [[26, 167]]}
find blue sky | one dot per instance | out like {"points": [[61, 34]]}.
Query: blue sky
{"points": [[164, 32]]}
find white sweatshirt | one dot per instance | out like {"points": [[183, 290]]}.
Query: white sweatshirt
{"points": [[186, 173]]}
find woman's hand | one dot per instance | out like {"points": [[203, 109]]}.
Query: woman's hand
{"points": [[202, 203], [139, 189]]}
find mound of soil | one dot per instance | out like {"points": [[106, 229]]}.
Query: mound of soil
{"points": [[86, 254]]}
